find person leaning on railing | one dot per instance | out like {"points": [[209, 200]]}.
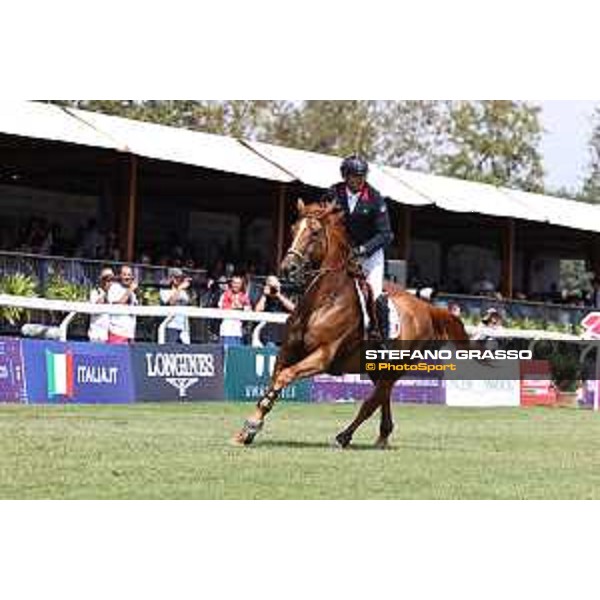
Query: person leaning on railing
{"points": [[121, 328], [98, 331], [273, 300], [178, 328], [234, 298]]}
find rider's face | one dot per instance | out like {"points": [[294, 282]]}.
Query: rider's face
{"points": [[355, 183]]}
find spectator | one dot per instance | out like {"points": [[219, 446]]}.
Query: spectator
{"points": [[272, 300], [214, 291], [492, 318], [490, 323], [98, 331], [178, 328], [92, 242], [484, 286], [234, 298], [454, 309], [596, 293], [111, 250], [121, 328]]}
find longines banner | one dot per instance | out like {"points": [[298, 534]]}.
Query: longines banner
{"points": [[77, 372], [177, 373]]}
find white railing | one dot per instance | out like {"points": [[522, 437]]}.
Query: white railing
{"points": [[167, 312], [193, 312]]}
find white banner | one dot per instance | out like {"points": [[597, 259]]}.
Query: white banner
{"points": [[487, 392], [484, 393]]}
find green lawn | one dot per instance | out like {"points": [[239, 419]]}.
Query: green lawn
{"points": [[183, 451]]}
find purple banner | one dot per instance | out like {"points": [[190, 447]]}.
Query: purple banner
{"points": [[12, 381], [351, 388]]}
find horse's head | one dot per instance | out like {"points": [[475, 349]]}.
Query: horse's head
{"points": [[312, 239]]}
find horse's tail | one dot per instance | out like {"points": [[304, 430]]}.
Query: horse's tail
{"points": [[449, 327]]}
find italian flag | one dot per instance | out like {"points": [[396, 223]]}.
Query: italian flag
{"points": [[59, 370]]}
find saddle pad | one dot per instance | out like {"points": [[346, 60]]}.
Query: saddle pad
{"points": [[394, 321]]}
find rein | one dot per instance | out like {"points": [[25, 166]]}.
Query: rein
{"points": [[322, 270]]}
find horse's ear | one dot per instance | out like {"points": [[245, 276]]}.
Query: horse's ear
{"points": [[300, 205]]}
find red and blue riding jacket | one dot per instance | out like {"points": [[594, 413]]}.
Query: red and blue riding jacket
{"points": [[369, 223]]}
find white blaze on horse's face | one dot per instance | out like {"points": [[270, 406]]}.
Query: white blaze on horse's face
{"points": [[305, 247], [302, 227]]}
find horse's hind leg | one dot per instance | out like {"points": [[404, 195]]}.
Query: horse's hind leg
{"points": [[378, 398], [386, 425]]}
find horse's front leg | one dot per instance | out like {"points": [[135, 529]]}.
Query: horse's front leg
{"points": [[313, 364]]}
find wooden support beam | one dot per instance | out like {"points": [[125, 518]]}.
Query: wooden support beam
{"points": [[508, 258], [131, 208], [280, 227], [404, 232]]}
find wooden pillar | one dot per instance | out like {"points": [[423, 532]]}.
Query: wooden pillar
{"points": [[280, 225], [527, 262], [131, 209], [508, 258], [404, 232], [594, 257]]}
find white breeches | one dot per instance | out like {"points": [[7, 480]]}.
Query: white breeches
{"points": [[374, 266]]}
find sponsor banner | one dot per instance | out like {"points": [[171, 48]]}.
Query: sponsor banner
{"points": [[537, 388], [177, 373], [12, 380], [248, 374], [77, 372], [486, 392], [483, 393], [351, 388]]}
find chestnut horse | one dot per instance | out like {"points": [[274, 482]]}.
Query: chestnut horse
{"points": [[325, 332]]}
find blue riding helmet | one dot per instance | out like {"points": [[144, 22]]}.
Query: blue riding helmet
{"points": [[354, 165]]}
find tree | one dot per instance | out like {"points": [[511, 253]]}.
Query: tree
{"points": [[327, 126], [591, 186], [412, 134], [497, 142], [239, 118]]}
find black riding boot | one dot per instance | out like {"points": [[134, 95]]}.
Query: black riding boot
{"points": [[383, 316]]}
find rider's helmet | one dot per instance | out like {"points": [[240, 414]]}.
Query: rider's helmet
{"points": [[354, 165]]}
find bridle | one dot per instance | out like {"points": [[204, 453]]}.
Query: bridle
{"points": [[305, 261]]}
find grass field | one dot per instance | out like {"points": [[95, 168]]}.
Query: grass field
{"points": [[183, 451]]}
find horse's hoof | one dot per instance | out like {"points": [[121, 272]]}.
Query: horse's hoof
{"points": [[382, 444], [247, 434], [342, 440]]}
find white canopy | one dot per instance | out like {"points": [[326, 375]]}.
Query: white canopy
{"points": [[277, 163]]}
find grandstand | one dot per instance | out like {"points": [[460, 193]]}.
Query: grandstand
{"points": [[153, 186]]}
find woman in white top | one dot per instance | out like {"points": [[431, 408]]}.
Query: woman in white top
{"points": [[98, 331], [121, 328]]}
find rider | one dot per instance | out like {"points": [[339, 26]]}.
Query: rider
{"points": [[368, 224]]}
